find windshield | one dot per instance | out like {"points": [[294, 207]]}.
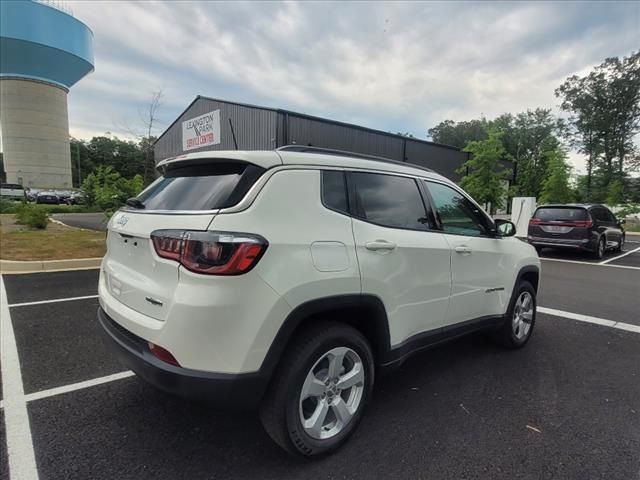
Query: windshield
{"points": [[564, 214]]}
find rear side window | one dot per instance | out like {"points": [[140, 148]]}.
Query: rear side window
{"points": [[389, 201], [200, 187], [334, 190], [11, 186], [561, 214]]}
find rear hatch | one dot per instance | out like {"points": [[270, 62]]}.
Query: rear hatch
{"points": [[186, 198], [560, 223]]}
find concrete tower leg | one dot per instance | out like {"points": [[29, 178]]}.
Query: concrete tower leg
{"points": [[35, 133]]}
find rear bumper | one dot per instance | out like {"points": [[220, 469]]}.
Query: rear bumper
{"points": [[236, 391], [576, 244]]}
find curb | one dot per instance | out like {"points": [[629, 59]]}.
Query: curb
{"points": [[35, 266]]}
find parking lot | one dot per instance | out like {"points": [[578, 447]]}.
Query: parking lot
{"points": [[565, 407]]}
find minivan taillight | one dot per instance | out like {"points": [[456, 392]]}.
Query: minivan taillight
{"points": [[583, 223], [212, 253], [535, 221]]}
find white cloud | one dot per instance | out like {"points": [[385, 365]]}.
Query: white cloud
{"points": [[399, 66]]}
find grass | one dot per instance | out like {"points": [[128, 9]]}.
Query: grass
{"points": [[57, 242], [632, 227]]}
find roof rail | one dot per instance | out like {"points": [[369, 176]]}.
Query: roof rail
{"points": [[344, 153]]}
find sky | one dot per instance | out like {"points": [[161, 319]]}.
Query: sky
{"points": [[397, 66]]}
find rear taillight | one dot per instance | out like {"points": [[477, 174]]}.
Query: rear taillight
{"points": [[535, 221], [212, 253], [583, 223]]}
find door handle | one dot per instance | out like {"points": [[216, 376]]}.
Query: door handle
{"points": [[380, 245], [463, 249]]}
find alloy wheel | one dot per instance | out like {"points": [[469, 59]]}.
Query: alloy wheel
{"points": [[522, 315], [332, 393]]}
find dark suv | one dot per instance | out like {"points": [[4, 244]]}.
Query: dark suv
{"points": [[584, 227]]}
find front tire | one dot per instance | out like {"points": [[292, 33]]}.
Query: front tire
{"points": [[520, 317], [620, 244], [319, 391]]}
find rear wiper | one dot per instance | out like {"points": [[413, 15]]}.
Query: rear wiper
{"points": [[135, 203]]}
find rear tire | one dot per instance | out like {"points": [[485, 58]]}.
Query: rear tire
{"points": [[306, 411], [599, 253], [520, 318]]}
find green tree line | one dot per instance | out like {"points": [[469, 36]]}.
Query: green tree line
{"points": [[601, 117]]}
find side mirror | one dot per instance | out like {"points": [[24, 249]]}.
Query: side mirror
{"points": [[505, 228], [621, 221]]}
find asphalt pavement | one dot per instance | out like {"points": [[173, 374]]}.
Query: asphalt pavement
{"points": [[567, 406]]}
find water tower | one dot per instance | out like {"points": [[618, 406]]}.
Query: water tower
{"points": [[44, 50]]}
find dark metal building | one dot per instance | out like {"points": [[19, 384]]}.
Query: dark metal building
{"points": [[212, 124]]}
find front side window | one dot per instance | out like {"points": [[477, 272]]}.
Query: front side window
{"points": [[456, 213], [389, 201]]}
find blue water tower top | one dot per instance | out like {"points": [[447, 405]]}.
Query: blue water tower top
{"points": [[39, 41]]}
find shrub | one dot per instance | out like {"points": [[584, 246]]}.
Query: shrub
{"points": [[108, 190], [32, 216], [7, 206]]}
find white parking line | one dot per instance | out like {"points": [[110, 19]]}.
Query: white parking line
{"points": [[593, 264], [22, 461], [55, 300], [77, 386], [620, 256], [589, 319]]}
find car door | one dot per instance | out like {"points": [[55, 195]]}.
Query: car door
{"points": [[401, 261], [612, 229], [480, 269]]}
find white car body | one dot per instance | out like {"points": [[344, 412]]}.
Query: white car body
{"points": [[427, 281]]}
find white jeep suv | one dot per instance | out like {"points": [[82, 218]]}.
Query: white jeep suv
{"points": [[287, 280]]}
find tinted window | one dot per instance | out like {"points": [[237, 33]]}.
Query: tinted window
{"points": [[334, 190], [389, 201], [456, 213], [12, 186], [200, 187], [562, 214]]}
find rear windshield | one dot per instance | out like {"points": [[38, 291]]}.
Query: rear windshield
{"points": [[200, 187], [561, 214]]}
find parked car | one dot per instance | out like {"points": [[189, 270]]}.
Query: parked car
{"points": [[48, 197], [288, 280], [32, 194], [63, 195], [12, 191], [588, 228], [76, 198]]}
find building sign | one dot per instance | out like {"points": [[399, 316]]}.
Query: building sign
{"points": [[201, 131]]}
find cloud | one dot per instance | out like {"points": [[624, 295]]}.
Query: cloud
{"points": [[398, 66]]}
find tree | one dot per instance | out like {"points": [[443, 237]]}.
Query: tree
{"points": [[107, 189], [604, 116], [485, 178], [615, 192], [527, 137], [555, 188], [461, 133], [149, 116]]}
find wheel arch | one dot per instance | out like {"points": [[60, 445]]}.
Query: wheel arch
{"points": [[366, 313], [531, 274]]}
